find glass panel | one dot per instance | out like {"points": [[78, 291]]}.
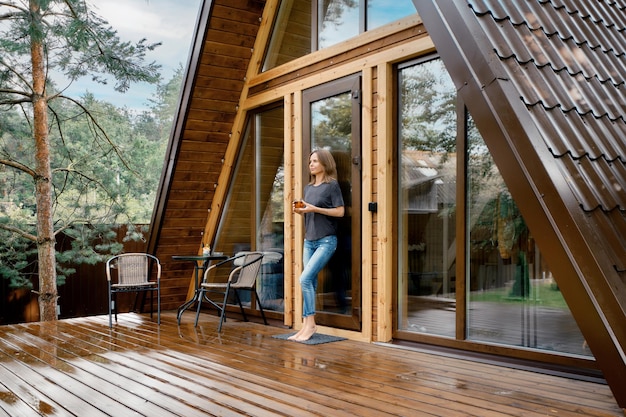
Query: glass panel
{"points": [[270, 209], [513, 298], [381, 12], [291, 35], [331, 128], [253, 216], [426, 200], [338, 21], [236, 225]]}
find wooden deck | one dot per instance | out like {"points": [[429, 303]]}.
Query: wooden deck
{"points": [[78, 367]]}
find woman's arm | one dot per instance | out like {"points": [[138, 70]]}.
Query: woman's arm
{"points": [[331, 211]]}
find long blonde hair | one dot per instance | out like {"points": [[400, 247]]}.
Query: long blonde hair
{"points": [[329, 164]]}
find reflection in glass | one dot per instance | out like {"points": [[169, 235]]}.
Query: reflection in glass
{"points": [[381, 12], [291, 34], [254, 211], [426, 200], [338, 20], [513, 298], [270, 215]]}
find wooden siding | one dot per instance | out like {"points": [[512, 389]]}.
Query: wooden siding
{"points": [[79, 367]]}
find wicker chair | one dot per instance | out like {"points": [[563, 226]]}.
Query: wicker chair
{"points": [[246, 267], [131, 272]]}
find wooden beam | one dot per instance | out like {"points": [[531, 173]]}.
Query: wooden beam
{"points": [[289, 226], [385, 225], [403, 51], [299, 220], [327, 53]]}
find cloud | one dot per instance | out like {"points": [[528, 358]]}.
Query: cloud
{"points": [[170, 22]]}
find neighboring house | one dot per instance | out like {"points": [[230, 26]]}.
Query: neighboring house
{"points": [[480, 146]]}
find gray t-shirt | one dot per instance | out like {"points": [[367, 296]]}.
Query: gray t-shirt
{"points": [[325, 195]]}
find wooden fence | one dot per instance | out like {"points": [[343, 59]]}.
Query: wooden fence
{"points": [[83, 294]]}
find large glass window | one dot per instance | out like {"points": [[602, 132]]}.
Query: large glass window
{"points": [[509, 293], [513, 298], [253, 216], [426, 199], [291, 34]]}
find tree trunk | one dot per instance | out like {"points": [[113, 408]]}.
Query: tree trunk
{"points": [[43, 178]]}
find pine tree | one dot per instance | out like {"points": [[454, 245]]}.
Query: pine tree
{"points": [[64, 37]]}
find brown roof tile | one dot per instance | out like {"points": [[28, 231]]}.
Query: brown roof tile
{"points": [[569, 70]]}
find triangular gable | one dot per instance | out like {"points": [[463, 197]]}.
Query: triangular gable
{"points": [[223, 46], [544, 84]]}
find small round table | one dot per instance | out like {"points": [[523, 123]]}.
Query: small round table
{"points": [[201, 263]]}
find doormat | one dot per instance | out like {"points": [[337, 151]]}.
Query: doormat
{"points": [[316, 339]]}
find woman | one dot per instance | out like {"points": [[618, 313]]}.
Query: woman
{"points": [[322, 206]]}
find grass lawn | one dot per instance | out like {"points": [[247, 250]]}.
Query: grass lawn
{"points": [[543, 292]]}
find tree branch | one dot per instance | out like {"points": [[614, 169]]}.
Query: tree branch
{"points": [[19, 232], [13, 6], [79, 173], [19, 166], [18, 75], [70, 224], [16, 92], [15, 102]]}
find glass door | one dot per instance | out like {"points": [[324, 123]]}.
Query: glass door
{"points": [[332, 114]]}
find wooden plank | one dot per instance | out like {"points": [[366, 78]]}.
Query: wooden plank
{"points": [[26, 371], [385, 215]]}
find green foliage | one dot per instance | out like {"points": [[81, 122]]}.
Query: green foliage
{"points": [[106, 161], [542, 292], [93, 187], [15, 253], [78, 43]]}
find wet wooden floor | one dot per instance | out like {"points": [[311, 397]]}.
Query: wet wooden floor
{"points": [[78, 367]]}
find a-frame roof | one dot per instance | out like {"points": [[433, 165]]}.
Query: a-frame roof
{"points": [[544, 82]]}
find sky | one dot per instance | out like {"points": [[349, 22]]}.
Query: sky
{"points": [[171, 22]]}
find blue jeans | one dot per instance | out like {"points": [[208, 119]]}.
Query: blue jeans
{"points": [[315, 256]]}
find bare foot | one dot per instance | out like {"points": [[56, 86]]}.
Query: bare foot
{"points": [[296, 335], [306, 334]]}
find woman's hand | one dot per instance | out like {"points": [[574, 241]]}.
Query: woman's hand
{"points": [[299, 206]]}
